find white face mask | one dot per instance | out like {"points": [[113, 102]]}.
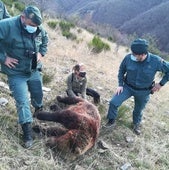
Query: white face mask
{"points": [[30, 29]]}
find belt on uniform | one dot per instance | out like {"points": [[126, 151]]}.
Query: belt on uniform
{"points": [[137, 88]]}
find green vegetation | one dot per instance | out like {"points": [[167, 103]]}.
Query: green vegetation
{"points": [[14, 6], [123, 116], [65, 27], [47, 77], [110, 39], [98, 45], [52, 24], [19, 6]]}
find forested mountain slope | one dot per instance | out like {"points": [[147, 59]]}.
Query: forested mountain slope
{"points": [[129, 16]]}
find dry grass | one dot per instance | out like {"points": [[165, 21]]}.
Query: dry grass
{"points": [[148, 151]]}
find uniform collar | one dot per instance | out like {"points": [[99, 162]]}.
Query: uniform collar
{"points": [[148, 57]]}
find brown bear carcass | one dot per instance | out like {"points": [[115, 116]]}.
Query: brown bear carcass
{"points": [[81, 124]]}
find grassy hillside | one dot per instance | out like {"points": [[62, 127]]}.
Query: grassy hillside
{"points": [[150, 151]]}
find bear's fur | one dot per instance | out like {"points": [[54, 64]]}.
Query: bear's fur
{"points": [[81, 124]]}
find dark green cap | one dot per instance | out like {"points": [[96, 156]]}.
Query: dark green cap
{"points": [[139, 46], [34, 14]]}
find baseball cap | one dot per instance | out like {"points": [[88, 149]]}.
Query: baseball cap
{"points": [[33, 13]]}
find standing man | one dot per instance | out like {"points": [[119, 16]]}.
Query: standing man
{"points": [[23, 42], [135, 78], [3, 11]]}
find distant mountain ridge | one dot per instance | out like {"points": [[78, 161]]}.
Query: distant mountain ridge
{"points": [[154, 21], [128, 16]]}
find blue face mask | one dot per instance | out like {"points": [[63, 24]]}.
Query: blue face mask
{"points": [[30, 29], [133, 58]]}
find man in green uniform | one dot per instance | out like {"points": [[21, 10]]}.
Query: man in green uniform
{"points": [[23, 42], [3, 11], [135, 78]]}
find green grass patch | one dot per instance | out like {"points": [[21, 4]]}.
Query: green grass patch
{"points": [[52, 24], [47, 77], [123, 116], [97, 45]]}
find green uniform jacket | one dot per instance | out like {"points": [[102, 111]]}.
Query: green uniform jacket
{"points": [[142, 74], [76, 85], [3, 11], [15, 41]]}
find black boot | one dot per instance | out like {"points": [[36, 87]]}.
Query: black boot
{"points": [[137, 129], [27, 134]]}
